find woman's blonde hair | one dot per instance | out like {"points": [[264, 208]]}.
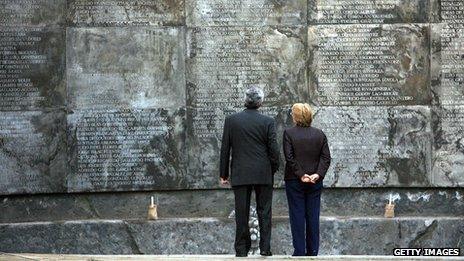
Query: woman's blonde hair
{"points": [[302, 114]]}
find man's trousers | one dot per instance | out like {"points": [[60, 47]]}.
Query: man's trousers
{"points": [[242, 216]]}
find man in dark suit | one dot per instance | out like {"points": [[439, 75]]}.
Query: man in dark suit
{"points": [[251, 137]]}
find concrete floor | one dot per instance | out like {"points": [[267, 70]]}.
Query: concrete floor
{"points": [[57, 257]]}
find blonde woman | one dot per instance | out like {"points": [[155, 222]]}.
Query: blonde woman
{"points": [[307, 158]]}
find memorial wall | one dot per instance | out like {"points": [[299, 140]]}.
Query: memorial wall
{"points": [[120, 95], [447, 85]]}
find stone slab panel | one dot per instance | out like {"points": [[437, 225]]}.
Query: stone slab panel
{"points": [[377, 146], [222, 63], [368, 11], [32, 12], [339, 236], [141, 67], [220, 203], [102, 237], [369, 65], [9, 257], [447, 10], [448, 94], [245, 12], [117, 150], [32, 152], [380, 236], [32, 68], [125, 12], [448, 55], [448, 156]]}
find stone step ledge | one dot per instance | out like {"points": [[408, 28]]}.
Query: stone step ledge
{"points": [[220, 203], [231, 219], [339, 236], [56, 257]]}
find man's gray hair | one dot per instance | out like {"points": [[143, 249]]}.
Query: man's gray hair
{"points": [[254, 97]]}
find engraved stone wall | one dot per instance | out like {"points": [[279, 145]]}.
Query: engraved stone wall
{"points": [[126, 91], [33, 145], [368, 11], [126, 149], [369, 76], [106, 95], [32, 71], [448, 93], [125, 12], [369, 64], [32, 152], [377, 146], [245, 13], [32, 12], [140, 67], [222, 63]]}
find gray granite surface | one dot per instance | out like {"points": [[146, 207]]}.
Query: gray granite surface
{"points": [[33, 151], [141, 89], [369, 11], [356, 236], [347, 202], [108, 13]]}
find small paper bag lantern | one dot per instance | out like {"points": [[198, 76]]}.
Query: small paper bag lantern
{"points": [[390, 209], [152, 210]]}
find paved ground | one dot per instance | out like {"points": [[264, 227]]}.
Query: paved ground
{"points": [[49, 257]]}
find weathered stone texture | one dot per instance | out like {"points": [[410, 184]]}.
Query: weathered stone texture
{"points": [[368, 236], [125, 12], [32, 68], [369, 65], [32, 12], [147, 85], [447, 60], [220, 203], [32, 152], [377, 146], [448, 94], [127, 89], [448, 157], [113, 150], [245, 13], [114, 67], [222, 63], [368, 11]]}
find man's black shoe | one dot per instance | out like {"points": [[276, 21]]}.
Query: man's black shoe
{"points": [[241, 254], [266, 253]]}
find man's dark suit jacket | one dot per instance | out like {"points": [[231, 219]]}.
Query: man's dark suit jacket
{"points": [[251, 137], [306, 152]]}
